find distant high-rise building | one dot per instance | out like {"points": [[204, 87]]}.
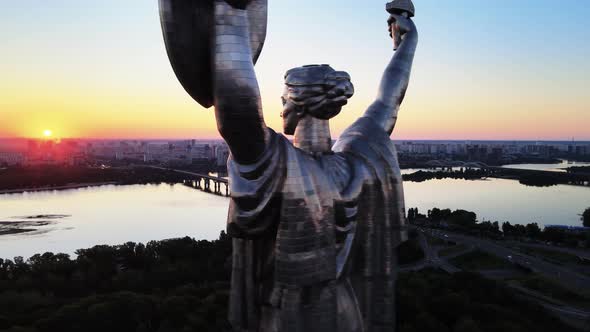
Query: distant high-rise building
{"points": [[221, 155], [11, 158]]}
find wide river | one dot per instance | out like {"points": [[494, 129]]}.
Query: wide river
{"points": [[81, 218]]}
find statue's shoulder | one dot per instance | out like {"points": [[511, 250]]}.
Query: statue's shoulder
{"points": [[360, 135]]}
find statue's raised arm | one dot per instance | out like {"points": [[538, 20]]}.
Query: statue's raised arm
{"points": [[397, 74], [213, 46], [238, 106]]}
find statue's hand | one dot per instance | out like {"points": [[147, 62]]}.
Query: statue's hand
{"points": [[402, 23], [399, 26]]}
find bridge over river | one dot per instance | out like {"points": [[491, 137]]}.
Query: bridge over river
{"points": [[220, 186], [207, 183]]}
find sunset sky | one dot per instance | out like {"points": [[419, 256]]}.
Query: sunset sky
{"points": [[502, 69]]}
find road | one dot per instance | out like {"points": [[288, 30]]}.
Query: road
{"points": [[581, 253], [431, 258], [568, 279], [572, 316]]}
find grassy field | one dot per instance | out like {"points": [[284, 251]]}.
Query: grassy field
{"points": [[452, 250], [553, 256], [551, 289]]}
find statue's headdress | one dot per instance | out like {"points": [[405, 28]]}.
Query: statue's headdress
{"points": [[400, 6], [324, 103]]}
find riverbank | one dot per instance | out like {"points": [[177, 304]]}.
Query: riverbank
{"points": [[528, 177], [30, 179], [52, 188]]}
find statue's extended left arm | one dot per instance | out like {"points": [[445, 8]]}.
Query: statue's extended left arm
{"points": [[396, 76]]}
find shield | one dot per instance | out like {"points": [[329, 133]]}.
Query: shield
{"points": [[188, 28]]}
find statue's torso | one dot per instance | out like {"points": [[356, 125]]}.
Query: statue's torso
{"points": [[329, 233]]}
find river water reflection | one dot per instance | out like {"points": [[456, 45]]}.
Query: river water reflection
{"points": [[81, 218], [111, 215]]}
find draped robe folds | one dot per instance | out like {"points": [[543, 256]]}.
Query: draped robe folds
{"points": [[315, 235]]}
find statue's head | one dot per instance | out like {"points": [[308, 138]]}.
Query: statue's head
{"points": [[317, 91]]}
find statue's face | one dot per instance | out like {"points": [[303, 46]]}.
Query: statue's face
{"points": [[291, 115]]}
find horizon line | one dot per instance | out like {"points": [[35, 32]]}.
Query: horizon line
{"points": [[221, 139]]}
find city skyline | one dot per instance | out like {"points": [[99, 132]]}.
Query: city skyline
{"points": [[484, 71]]}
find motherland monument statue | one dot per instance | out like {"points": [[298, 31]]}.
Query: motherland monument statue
{"points": [[315, 227]]}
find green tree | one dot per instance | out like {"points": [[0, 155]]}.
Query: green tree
{"points": [[496, 227], [463, 218], [586, 217], [533, 230], [507, 228], [437, 214], [466, 324], [410, 252]]}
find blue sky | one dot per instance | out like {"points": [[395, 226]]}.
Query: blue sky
{"points": [[505, 69]]}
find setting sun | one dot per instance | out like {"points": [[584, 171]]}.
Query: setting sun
{"points": [[47, 133]]}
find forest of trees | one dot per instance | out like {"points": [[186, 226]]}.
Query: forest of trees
{"points": [[173, 285], [466, 222], [183, 285]]}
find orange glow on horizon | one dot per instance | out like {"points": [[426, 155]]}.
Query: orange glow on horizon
{"points": [[88, 114], [481, 82]]}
